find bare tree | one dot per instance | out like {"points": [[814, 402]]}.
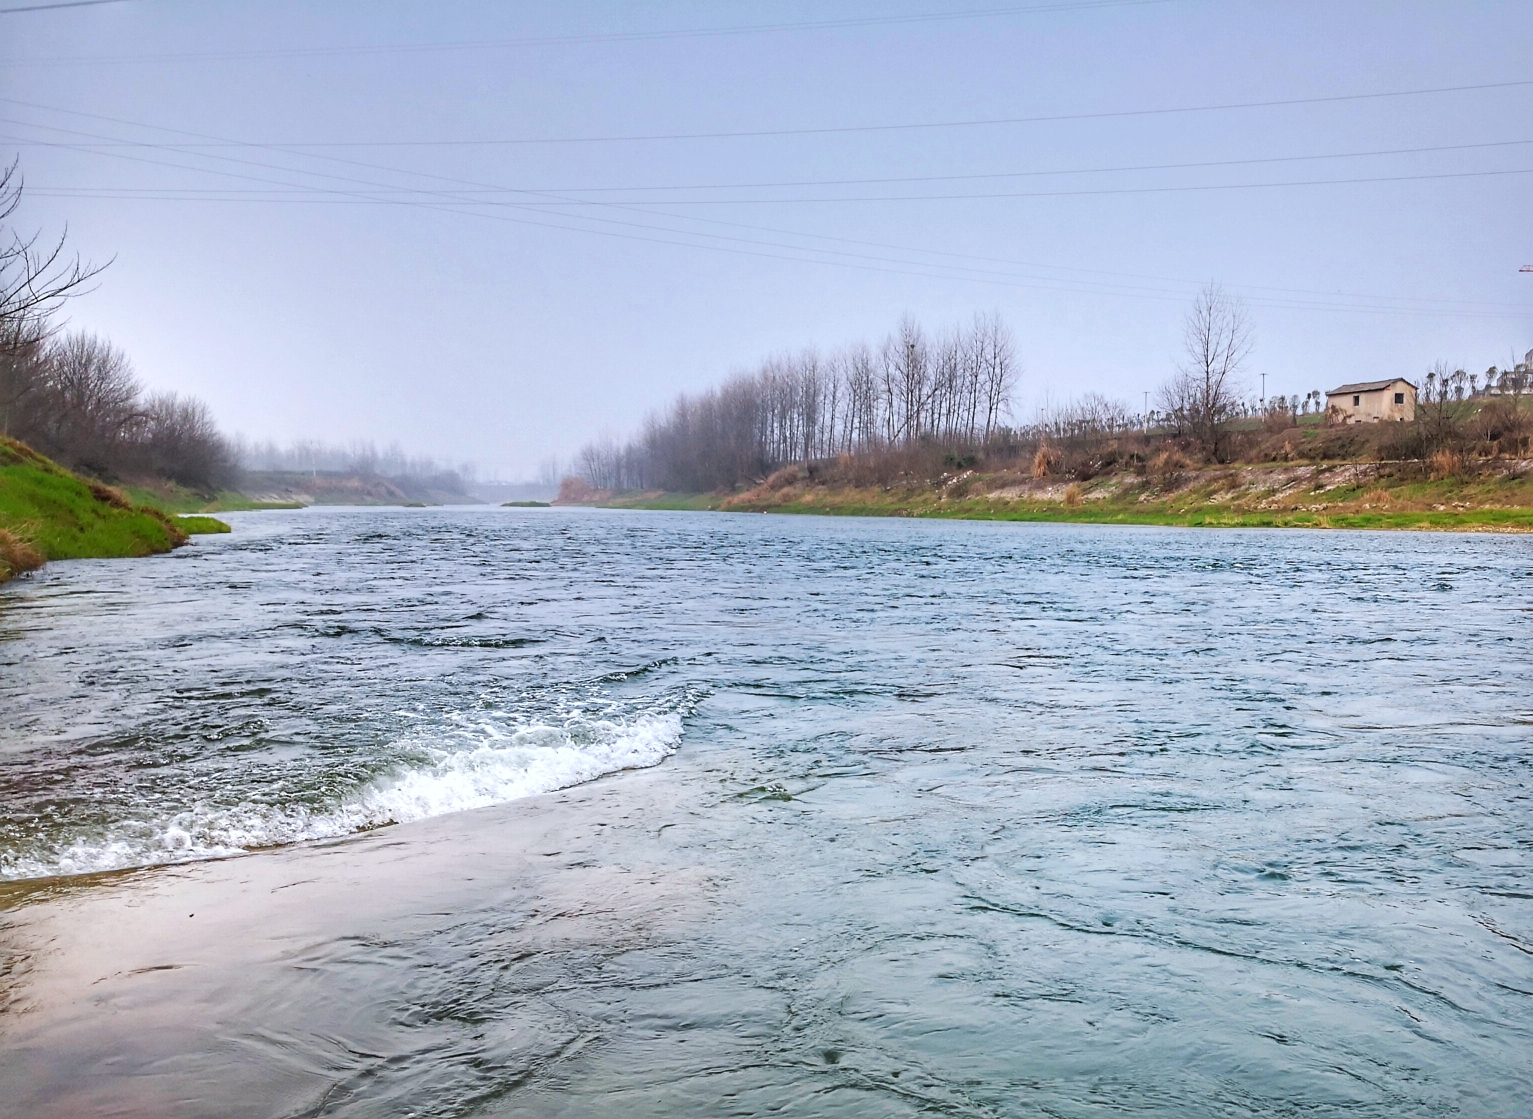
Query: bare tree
{"points": [[601, 463], [181, 442], [1206, 391], [907, 383], [861, 428], [550, 472], [90, 402], [1091, 419], [995, 355], [20, 382], [950, 393], [36, 277], [1438, 405]]}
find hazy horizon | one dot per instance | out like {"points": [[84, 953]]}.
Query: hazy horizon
{"points": [[490, 235]]}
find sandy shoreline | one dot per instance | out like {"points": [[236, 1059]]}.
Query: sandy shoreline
{"points": [[221, 988]]}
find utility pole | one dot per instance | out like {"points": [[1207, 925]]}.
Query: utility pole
{"points": [[1146, 418], [1264, 392]]}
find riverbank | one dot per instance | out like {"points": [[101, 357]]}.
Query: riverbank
{"points": [[1325, 495], [294, 490], [50, 513]]}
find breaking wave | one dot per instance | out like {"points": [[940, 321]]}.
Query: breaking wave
{"points": [[459, 767]]}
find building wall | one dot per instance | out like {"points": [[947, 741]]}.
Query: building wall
{"points": [[1372, 407]]}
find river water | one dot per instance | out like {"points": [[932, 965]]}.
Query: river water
{"points": [[889, 817]]}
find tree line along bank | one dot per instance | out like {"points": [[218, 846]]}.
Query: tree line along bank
{"points": [[919, 407]]}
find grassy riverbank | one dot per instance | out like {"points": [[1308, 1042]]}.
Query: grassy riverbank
{"points": [[50, 513], [1336, 495], [171, 498]]}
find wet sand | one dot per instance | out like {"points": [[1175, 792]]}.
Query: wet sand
{"points": [[259, 986]]}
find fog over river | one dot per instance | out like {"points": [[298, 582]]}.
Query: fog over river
{"points": [[560, 812]]}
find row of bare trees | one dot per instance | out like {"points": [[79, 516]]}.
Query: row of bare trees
{"points": [[952, 390], [1457, 415], [359, 457], [952, 393], [919, 405], [75, 396]]}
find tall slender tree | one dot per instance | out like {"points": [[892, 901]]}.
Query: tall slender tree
{"points": [[1206, 391]]}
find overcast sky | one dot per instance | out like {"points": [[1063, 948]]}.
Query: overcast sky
{"points": [[489, 231]]}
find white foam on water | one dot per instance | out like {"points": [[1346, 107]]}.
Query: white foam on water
{"points": [[470, 766]]}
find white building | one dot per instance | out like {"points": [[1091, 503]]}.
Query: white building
{"points": [[1372, 402]]}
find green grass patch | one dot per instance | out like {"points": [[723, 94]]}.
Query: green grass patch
{"points": [[172, 498], [201, 526], [1173, 514], [64, 516], [673, 501]]}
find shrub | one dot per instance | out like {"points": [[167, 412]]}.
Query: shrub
{"points": [[1503, 425], [1446, 464], [782, 479], [1169, 461], [1411, 442], [1045, 462]]}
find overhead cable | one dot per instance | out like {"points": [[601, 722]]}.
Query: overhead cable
{"points": [[985, 122]]}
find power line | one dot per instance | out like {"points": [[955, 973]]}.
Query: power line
{"points": [[861, 261], [1001, 195], [389, 196], [1035, 173], [824, 237], [1088, 193], [614, 37], [448, 202], [51, 7], [1091, 192], [1115, 114], [1198, 165]]}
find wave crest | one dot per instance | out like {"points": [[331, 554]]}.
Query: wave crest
{"points": [[469, 766]]}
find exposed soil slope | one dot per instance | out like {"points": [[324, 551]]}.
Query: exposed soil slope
{"points": [[1334, 495]]}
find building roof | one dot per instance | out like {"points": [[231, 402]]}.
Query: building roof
{"points": [[1368, 386]]}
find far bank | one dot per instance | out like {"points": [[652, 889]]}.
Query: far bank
{"points": [[1346, 495]]}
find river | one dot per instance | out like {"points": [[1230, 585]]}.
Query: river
{"points": [[506, 812]]}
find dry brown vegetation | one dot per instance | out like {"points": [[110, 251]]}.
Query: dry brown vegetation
{"points": [[577, 491], [17, 555], [1309, 469]]}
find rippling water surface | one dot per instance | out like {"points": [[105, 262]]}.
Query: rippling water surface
{"points": [[976, 819]]}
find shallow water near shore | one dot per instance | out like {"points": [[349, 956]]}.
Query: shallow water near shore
{"points": [[570, 812]]}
